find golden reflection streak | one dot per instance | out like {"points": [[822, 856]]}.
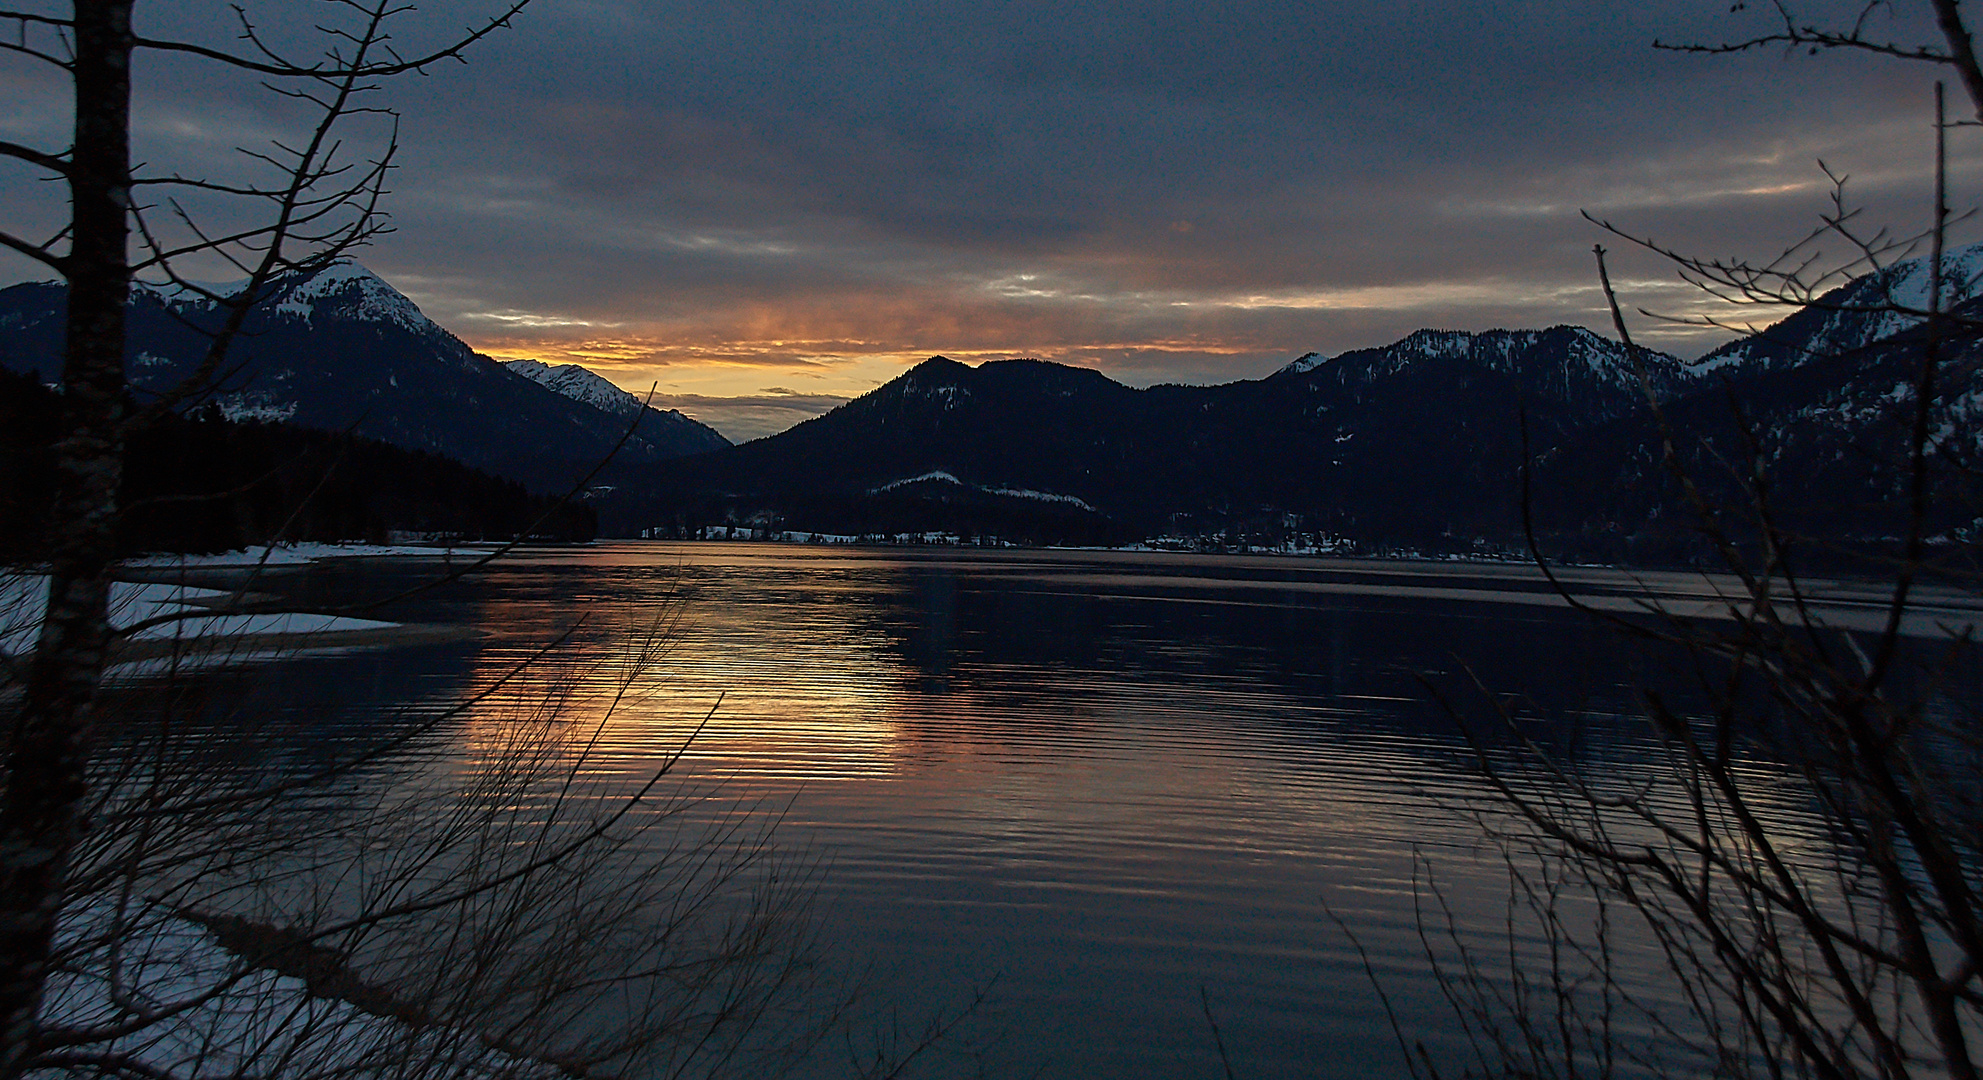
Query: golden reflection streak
{"points": [[816, 708], [813, 693]]}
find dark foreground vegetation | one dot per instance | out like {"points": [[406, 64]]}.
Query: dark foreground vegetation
{"points": [[202, 483]]}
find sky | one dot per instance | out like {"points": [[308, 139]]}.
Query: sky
{"points": [[761, 209]]}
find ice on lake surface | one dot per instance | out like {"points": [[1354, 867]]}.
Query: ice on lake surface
{"points": [[1111, 787]]}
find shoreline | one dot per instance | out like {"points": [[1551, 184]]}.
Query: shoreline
{"points": [[182, 623]]}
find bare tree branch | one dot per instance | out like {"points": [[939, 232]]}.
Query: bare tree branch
{"points": [[334, 66], [37, 252], [54, 163]]}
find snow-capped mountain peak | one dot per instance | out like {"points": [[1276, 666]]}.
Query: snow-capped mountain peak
{"points": [[1573, 352], [344, 290], [1857, 314], [341, 350], [347, 290], [1906, 284], [579, 384], [1569, 365]]}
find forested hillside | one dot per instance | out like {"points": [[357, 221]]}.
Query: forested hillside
{"points": [[205, 483]]}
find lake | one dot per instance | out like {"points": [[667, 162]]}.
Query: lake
{"points": [[1108, 789]]}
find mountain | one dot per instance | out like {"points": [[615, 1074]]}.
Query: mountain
{"points": [[1394, 444], [583, 385], [954, 445], [1843, 320], [1564, 365], [668, 429], [212, 484], [1422, 443], [1822, 404], [341, 349]]}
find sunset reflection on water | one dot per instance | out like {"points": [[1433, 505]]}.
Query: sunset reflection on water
{"points": [[1100, 780]]}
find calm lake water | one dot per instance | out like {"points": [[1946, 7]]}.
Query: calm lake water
{"points": [[1109, 787]]}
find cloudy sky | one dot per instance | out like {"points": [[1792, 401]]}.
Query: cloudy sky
{"points": [[766, 207]]}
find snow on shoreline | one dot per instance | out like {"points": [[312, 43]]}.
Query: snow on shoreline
{"points": [[24, 597], [188, 609], [291, 555], [220, 1014]]}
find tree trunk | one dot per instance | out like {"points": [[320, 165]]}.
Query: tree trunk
{"points": [[48, 746]]}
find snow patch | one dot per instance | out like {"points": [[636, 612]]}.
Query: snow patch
{"points": [[220, 1016], [240, 407], [1305, 363], [288, 555], [24, 597], [1039, 496], [939, 476], [936, 476]]}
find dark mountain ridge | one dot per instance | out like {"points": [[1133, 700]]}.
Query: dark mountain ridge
{"points": [[205, 483], [1824, 412], [1419, 444], [1422, 444], [1420, 436], [342, 350]]}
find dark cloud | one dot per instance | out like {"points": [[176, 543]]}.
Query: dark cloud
{"points": [[1166, 190]]}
